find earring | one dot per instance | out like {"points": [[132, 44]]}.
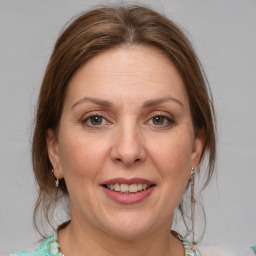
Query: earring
{"points": [[193, 202], [56, 181], [192, 180]]}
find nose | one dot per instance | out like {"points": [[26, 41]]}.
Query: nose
{"points": [[128, 147]]}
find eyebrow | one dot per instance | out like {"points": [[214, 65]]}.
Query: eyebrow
{"points": [[155, 102], [97, 101], [147, 104]]}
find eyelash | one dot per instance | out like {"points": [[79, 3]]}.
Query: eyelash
{"points": [[89, 118], [168, 121]]}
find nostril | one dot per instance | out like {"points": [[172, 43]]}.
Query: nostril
{"points": [[127, 162]]}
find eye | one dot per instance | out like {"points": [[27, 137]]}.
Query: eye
{"points": [[94, 120], [160, 120]]}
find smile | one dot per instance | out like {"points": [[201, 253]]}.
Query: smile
{"points": [[128, 191], [125, 188]]}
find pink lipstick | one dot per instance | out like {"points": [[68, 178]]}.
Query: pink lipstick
{"points": [[128, 191]]}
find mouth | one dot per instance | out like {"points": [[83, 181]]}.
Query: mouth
{"points": [[128, 191], [125, 188]]}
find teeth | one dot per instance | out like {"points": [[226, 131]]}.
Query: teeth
{"points": [[133, 188], [117, 187], [144, 186], [125, 188]]}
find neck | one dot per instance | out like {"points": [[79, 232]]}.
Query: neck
{"points": [[76, 239]]}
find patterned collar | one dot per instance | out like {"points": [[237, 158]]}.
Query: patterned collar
{"points": [[50, 247], [190, 250]]}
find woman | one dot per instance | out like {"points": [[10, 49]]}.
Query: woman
{"points": [[123, 122]]}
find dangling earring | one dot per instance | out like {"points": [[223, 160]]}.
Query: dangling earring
{"points": [[193, 202], [56, 181]]}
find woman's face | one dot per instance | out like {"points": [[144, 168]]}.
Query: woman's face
{"points": [[125, 144]]}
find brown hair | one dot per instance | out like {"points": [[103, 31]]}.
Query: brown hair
{"points": [[89, 34]]}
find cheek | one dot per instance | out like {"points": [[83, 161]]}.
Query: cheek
{"points": [[172, 153], [172, 156], [81, 157], [81, 162]]}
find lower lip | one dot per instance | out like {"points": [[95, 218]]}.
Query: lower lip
{"points": [[131, 198]]}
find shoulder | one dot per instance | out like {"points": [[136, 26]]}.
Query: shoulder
{"points": [[253, 249], [49, 247], [190, 250]]}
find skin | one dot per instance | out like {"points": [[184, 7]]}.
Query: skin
{"points": [[128, 142]]}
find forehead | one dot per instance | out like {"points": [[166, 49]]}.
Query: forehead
{"points": [[127, 71]]}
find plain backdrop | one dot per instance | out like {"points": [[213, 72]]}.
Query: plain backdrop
{"points": [[223, 33]]}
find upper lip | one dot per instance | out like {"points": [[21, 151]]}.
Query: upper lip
{"points": [[127, 181]]}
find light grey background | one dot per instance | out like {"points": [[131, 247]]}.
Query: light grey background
{"points": [[224, 35]]}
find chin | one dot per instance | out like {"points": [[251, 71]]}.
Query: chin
{"points": [[130, 225]]}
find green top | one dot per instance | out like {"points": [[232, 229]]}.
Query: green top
{"points": [[50, 247], [254, 248]]}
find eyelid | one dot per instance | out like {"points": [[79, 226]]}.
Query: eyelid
{"points": [[92, 114], [167, 115], [161, 113]]}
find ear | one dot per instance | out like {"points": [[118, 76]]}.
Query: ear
{"points": [[53, 153], [198, 146]]}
